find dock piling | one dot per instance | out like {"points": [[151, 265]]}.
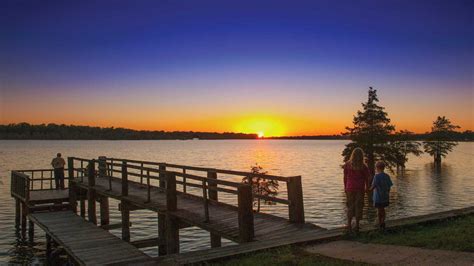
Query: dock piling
{"points": [[91, 195], [295, 196], [212, 175], [245, 201], [17, 212], [72, 188], [104, 210]]}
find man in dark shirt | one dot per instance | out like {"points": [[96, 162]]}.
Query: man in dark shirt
{"points": [[58, 165]]}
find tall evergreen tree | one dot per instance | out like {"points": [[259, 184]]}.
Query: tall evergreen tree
{"points": [[441, 139], [371, 131]]}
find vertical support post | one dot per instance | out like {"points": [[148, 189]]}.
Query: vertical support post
{"points": [[162, 175], [102, 166], [71, 187], [246, 225], [104, 210], [124, 179], [17, 212], [83, 208], [125, 210], [91, 210], [24, 213], [48, 247], [295, 196], [31, 230], [212, 175], [172, 223], [171, 199], [161, 234]]}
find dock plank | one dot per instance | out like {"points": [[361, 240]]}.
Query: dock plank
{"points": [[86, 243]]}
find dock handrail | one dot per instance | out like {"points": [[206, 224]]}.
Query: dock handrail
{"points": [[44, 175], [20, 186], [211, 184]]}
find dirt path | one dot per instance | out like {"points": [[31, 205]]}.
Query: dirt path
{"points": [[390, 254]]}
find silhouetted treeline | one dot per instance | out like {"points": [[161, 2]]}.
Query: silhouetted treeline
{"points": [[54, 131], [312, 137], [467, 135]]}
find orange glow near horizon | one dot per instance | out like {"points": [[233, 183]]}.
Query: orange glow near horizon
{"points": [[262, 125]]}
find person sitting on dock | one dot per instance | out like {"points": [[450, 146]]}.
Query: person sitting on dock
{"points": [[58, 165], [356, 176], [381, 186]]}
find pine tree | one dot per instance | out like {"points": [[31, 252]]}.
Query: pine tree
{"points": [[371, 131], [441, 140]]}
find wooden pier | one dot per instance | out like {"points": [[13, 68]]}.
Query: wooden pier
{"points": [[182, 196]]}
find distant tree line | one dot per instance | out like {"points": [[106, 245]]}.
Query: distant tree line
{"points": [[55, 131], [72, 132]]}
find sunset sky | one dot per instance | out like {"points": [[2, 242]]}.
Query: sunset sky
{"points": [[277, 67]]}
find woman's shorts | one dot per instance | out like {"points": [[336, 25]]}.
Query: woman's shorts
{"points": [[355, 203], [381, 204]]}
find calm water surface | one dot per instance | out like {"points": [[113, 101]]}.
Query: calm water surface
{"points": [[418, 190]]}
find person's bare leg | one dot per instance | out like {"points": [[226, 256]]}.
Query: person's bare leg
{"points": [[349, 223]]}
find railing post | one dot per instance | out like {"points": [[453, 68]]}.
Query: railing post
{"points": [[102, 166], [246, 226], [71, 187], [125, 210], [172, 223], [124, 179], [295, 196], [212, 175], [162, 175], [91, 192], [171, 199]]}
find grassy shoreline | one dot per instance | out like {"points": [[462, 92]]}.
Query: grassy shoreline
{"points": [[456, 234]]}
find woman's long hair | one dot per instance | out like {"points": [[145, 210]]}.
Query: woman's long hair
{"points": [[357, 159]]}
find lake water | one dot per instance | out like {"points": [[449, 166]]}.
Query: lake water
{"points": [[418, 190]]}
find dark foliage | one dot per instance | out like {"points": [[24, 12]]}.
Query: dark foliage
{"points": [[440, 141], [261, 185], [54, 131]]}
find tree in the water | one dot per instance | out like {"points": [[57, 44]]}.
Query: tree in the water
{"points": [[261, 185], [401, 145], [440, 140], [371, 131]]}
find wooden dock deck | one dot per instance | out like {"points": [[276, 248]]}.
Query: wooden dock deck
{"points": [[86, 243], [182, 196]]}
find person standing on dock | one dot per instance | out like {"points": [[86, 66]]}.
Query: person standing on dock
{"points": [[356, 177], [58, 165]]}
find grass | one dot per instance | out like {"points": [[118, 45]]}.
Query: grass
{"points": [[452, 234], [288, 255]]}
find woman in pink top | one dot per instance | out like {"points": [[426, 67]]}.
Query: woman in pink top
{"points": [[356, 176]]}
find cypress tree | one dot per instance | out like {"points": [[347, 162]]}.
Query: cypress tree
{"points": [[441, 139], [372, 132]]}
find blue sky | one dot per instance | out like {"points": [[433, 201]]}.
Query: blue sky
{"points": [[304, 59]]}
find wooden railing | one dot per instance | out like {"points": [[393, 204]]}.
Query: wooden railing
{"points": [[173, 179], [210, 184], [43, 179], [20, 186]]}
